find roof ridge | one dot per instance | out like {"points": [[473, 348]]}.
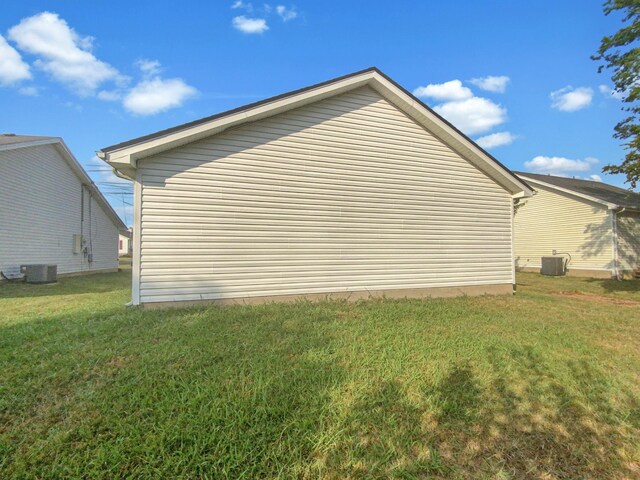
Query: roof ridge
{"points": [[123, 152], [248, 106]]}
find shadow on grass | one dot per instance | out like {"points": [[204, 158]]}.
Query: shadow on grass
{"points": [[383, 437], [526, 423], [77, 285], [613, 286], [533, 425], [267, 392]]}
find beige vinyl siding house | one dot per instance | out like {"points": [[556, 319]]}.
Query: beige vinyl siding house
{"points": [[594, 223], [628, 230], [46, 199], [342, 193]]}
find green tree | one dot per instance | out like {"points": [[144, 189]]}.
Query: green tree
{"points": [[621, 53]]}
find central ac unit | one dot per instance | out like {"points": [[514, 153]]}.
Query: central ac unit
{"points": [[40, 273], [553, 266]]}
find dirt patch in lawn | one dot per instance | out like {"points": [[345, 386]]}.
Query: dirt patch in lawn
{"points": [[592, 297]]}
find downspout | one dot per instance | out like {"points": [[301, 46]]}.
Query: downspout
{"points": [[513, 260], [614, 233]]}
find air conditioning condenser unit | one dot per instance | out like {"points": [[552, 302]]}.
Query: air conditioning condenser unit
{"points": [[40, 273], [553, 266]]}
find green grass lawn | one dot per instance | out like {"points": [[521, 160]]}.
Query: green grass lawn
{"points": [[545, 385]]}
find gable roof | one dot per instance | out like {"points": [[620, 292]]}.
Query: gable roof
{"points": [[13, 142], [609, 195], [124, 156], [7, 139]]}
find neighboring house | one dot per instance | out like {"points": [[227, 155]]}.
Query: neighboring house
{"points": [[125, 245], [51, 212], [350, 188], [597, 224]]}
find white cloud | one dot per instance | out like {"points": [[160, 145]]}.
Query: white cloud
{"points": [[254, 21], [286, 13], [12, 68], [67, 57], [73, 106], [496, 140], [250, 25], [61, 52], [610, 92], [467, 112], [152, 94], [109, 95], [155, 95], [569, 99], [447, 91], [29, 91], [148, 67], [240, 4], [492, 83], [595, 178], [559, 165], [474, 115]]}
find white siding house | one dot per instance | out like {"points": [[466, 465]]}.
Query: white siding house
{"points": [[125, 244], [350, 188], [594, 224], [46, 199]]}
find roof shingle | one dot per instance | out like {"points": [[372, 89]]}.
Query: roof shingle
{"points": [[12, 138], [602, 191]]}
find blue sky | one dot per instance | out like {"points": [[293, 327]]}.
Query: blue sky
{"points": [[516, 75]]}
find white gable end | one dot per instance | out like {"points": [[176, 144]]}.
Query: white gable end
{"points": [[44, 204]]}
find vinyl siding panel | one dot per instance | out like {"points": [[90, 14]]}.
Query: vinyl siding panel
{"points": [[628, 226], [41, 211], [552, 220], [346, 194]]}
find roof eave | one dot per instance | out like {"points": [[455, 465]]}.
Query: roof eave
{"points": [[78, 170], [125, 158], [441, 127], [32, 143], [128, 156], [609, 205]]}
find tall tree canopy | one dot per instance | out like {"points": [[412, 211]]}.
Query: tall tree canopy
{"points": [[621, 53]]}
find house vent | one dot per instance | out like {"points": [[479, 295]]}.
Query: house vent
{"points": [[553, 266], [40, 273]]}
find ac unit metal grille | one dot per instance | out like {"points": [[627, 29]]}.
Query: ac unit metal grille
{"points": [[553, 266], [40, 273]]}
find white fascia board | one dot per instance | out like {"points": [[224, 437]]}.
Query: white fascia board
{"points": [[129, 155], [550, 186], [34, 143], [451, 137], [125, 159], [75, 165]]}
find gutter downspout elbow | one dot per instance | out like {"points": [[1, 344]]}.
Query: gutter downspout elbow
{"points": [[118, 174]]}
